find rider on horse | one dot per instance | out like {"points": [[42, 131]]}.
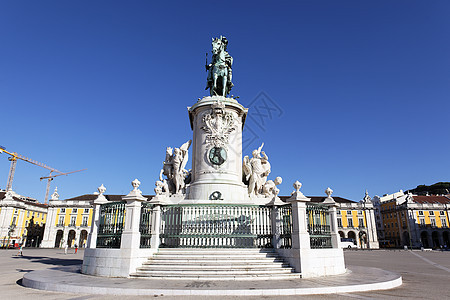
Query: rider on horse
{"points": [[219, 54]]}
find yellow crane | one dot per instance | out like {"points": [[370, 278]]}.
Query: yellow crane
{"points": [[15, 156]]}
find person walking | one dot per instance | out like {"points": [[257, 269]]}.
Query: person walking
{"points": [[76, 248], [65, 248], [20, 250]]}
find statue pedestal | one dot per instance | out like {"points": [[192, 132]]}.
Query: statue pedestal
{"points": [[217, 123]]}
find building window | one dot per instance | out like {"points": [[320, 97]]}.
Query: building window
{"points": [[444, 222], [86, 211], [422, 222], [442, 213], [359, 212], [350, 222], [16, 211], [361, 222], [63, 210], [74, 210], [28, 214], [73, 220], [433, 222], [420, 213], [85, 221], [61, 221], [339, 220]]}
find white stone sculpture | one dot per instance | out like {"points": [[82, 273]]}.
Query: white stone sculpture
{"points": [[270, 187], [101, 189], [174, 168], [256, 171], [218, 125], [55, 195], [162, 188], [101, 199], [297, 194], [136, 183], [329, 199]]}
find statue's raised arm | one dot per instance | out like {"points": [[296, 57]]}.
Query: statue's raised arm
{"points": [[219, 70]]}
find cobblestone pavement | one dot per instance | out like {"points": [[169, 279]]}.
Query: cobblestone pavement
{"points": [[426, 275]]}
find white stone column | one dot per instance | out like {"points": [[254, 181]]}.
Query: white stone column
{"points": [[300, 235], [92, 237], [329, 201], [156, 226], [276, 223], [131, 237], [217, 123]]}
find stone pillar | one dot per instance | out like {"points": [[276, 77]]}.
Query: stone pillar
{"points": [[156, 226], [332, 205], [131, 237], [300, 235], [217, 123], [276, 223], [92, 237]]}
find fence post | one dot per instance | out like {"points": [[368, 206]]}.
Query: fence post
{"points": [[329, 201], [156, 227], [300, 235], [131, 237], [101, 199], [275, 223]]}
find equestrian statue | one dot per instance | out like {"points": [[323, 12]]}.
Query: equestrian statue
{"points": [[219, 70]]}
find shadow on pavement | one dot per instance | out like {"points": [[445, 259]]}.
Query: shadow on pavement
{"points": [[51, 260]]}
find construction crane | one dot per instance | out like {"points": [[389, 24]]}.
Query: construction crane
{"points": [[15, 156], [50, 178]]}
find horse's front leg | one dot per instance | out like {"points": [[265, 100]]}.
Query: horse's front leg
{"points": [[213, 88], [224, 85]]}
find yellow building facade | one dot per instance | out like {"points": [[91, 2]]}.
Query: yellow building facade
{"points": [[16, 213]]}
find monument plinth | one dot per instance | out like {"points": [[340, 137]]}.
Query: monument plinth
{"points": [[217, 123]]}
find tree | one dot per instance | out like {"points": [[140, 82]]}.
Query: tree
{"points": [[439, 188]]}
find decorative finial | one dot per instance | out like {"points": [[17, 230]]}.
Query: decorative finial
{"points": [[297, 185], [328, 191], [367, 197], [101, 189], [55, 195], [135, 183], [329, 200]]}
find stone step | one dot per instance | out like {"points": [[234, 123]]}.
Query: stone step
{"points": [[218, 250], [213, 258], [164, 276], [215, 264], [215, 272], [222, 265]]}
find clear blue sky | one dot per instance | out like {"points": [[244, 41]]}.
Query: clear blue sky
{"points": [[361, 88]]}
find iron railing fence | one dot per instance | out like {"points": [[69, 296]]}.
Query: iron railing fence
{"points": [[112, 218], [216, 226], [285, 226], [145, 225], [318, 225]]}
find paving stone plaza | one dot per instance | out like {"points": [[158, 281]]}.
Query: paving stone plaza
{"points": [[425, 275]]}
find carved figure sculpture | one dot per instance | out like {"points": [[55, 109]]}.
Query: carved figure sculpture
{"points": [[256, 170], [174, 169], [219, 68], [162, 188], [270, 187]]}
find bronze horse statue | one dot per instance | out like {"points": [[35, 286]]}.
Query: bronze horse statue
{"points": [[219, 75]]}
